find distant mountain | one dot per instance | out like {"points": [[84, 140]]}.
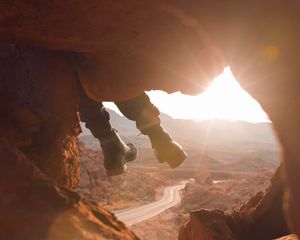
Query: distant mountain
{"points": [[210, 143], [200, 132], [125, 127], [122, 124]]}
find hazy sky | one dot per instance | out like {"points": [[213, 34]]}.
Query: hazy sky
{"points": [[223, 99]]}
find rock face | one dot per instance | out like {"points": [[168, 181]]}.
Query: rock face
{"points": [[42, 81], [38, 149], [168, 45], [33, 207], [261, 218], [135, 46]]}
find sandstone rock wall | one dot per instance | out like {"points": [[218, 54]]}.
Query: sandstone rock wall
{"points": [[42, 81], [260, 218], [168, 45], [34, 207], [37, 142], [133, 46]]}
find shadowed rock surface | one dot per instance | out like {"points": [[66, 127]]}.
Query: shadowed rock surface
{"points": [[260, 218], [168, 45], [34, 207], [42, 81], [127, 54], [38, 142]]}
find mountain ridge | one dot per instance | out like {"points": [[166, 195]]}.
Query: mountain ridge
{"points": [[191, 131]]}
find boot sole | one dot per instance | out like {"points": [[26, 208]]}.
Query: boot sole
{"points": [[177, 161], [174, 160], [116, 171], [123, 168], [134, 153]]}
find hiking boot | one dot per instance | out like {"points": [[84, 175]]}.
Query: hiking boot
{"points": [[165, 148], [116, 153]]}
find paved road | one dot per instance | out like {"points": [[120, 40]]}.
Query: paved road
{"points": [[170, 198]]}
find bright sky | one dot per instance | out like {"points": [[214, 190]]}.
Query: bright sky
{"points": [[223, 99]]}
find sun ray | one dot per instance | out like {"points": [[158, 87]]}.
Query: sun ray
{"points": [[223, 99]]}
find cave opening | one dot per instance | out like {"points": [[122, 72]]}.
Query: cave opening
{"points": [[125, 45], [232, 155]]}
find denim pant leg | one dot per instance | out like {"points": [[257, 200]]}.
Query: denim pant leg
{"points": [[141, 110], [94, 115]]}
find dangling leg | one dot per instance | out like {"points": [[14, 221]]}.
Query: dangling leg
{"points": [[116, 152], [146, 115]]}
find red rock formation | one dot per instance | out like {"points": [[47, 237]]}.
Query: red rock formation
{"points": [[261, 218], [289, 237], [43, 82], [33, 207], [136, 45], [164, 45]]}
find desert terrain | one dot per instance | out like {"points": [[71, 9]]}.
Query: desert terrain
{"points": [[228, 162]]}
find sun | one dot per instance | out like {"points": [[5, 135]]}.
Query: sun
{"points": [[223, 99], [226, 99]]}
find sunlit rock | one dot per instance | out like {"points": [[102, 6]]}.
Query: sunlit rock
{"points": [[260, 218], [168, 45], [34, 207]]}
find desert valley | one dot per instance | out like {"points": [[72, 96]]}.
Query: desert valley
{"points": [[227, 164]]}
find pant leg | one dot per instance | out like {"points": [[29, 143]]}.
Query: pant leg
{"points": [[142, 111], [133, 108], [94, 115]]}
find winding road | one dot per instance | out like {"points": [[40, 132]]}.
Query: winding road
{"points": [[134, 215]]}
